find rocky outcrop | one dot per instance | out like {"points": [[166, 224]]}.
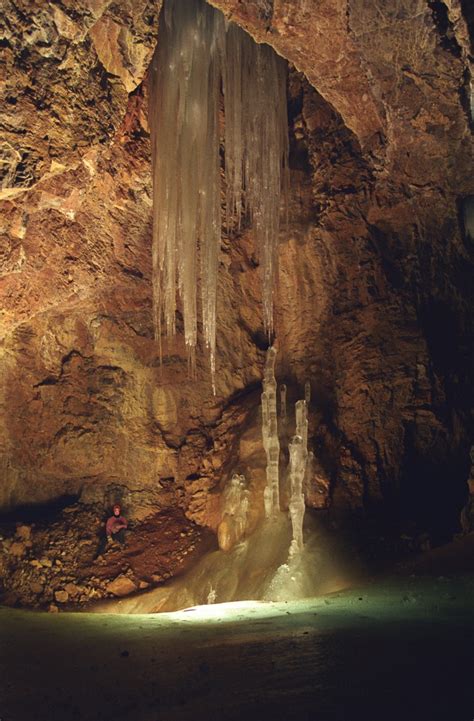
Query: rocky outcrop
{"points": [[61, 560], [374, 295]]}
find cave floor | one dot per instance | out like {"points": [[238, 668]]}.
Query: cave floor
{"points": [[398, 649]]}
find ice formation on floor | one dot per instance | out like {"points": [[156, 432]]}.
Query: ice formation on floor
{"points": [[297, 469], [235, 501], [198, 54], [257, 568], [271, 443]]}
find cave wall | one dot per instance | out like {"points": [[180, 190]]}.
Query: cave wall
{"points": [[374, 301]]}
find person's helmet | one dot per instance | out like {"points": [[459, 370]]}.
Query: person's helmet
{"points": [[116, 507]]}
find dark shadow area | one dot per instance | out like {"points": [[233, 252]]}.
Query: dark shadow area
{"points": [[433, 487], [38, 512]]}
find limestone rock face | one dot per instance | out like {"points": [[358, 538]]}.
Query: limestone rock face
{"points": [[374, 302], [68, 71]]}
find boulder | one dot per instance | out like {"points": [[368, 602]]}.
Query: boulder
{"points": [[72, 589], [18, 549], [121, 586], [23, 532]]}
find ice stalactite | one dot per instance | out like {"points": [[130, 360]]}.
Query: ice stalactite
{"points": [[184, 103], [298, 462], [256, 148], [197, 55], [271, 442], [307, 393]]}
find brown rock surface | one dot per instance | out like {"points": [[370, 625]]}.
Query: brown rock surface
{"points": [[374, 300], [121, 586], [62, 562], [61, 596]]}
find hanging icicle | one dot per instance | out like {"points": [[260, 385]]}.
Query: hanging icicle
{"points": [[197, 57], [256, 148], [184, 104]]}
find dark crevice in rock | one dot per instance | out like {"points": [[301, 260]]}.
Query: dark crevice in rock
{"points": [[444, 27], [44, 513], [465, 95], [133, 272], [53, 380], [260, 339], [467, 7]]}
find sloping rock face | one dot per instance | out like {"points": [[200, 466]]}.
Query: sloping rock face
{"points": [[374, 301], [63, 560]]}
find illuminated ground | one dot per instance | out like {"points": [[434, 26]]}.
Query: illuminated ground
{"points": [[399, 650]]}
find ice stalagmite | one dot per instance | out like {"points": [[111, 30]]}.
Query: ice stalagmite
{"points": [[271, 443], [298, 461], [196, 57], [283, 391], [235, 512], [184, 102]]}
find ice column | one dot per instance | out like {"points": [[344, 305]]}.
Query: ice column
{"points": [[298, 460], [271, 443], [283, 391]]}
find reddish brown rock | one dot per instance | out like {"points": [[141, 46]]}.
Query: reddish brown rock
{"points": [[121, 586], [61, 596]]}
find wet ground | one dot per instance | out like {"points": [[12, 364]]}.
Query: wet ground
{"points": [[401, 649]]}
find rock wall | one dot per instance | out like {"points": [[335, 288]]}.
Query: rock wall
{"points": [[374, 296]]}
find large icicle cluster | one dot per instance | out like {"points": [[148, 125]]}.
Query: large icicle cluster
{"points": [[198, 55], [184, 105], [256, 147], [271, 443]]}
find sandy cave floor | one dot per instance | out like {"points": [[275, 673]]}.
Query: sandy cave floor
{"points": [[398, 649]]}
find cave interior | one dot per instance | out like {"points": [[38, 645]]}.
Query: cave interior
{"points": [[236, 301]]}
